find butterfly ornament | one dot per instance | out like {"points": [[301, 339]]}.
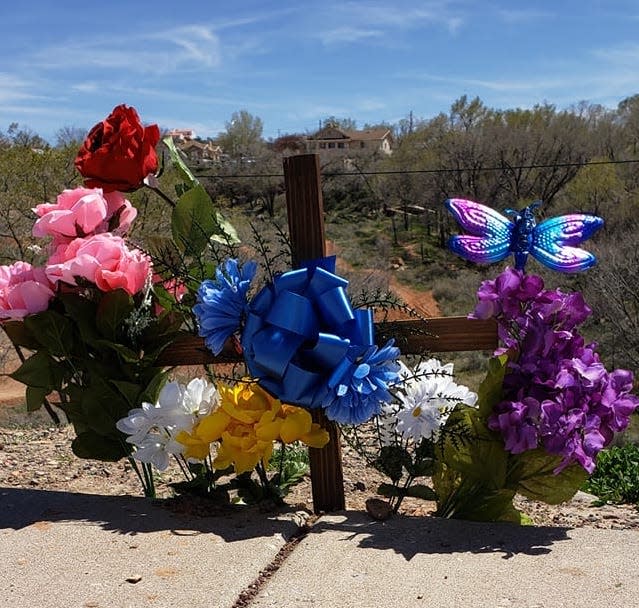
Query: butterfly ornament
{"points": [[491, 236]]}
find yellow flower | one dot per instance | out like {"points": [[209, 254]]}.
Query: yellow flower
{"points": [[298, 426], [194, 446], [206, 431], [246, 424]]}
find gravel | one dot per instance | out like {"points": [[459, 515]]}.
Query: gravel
{"points": [[41, 458]]}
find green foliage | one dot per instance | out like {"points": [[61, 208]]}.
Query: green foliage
{"points": [[616, 478], [477, 479], [291, 464], [288, 466], [402, 461], [85, 354], [243, 135]]}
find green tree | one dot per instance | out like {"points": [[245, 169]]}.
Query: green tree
{"points": [[243, 136], [595, 189]]}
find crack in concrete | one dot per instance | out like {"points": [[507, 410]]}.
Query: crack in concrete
{"points": [[247, 595]]}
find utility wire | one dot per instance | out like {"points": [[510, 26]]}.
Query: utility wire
{"points": [[441, 170]]}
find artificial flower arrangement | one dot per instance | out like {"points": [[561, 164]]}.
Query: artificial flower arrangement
{"points": [[86, 313], [99, 312], [215, 432], [402, 440], [301, 338], [547, 406]]}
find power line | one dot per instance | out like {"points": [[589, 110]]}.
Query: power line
{"points": [[440, 170]]}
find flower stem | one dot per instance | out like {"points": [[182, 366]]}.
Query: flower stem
{"points": [[149, 488], [162, 196]]}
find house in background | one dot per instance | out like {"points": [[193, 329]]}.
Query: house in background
{"points": [[333, 140], [198, 152]]}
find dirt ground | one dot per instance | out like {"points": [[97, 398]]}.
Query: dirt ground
{"points": [[36, 454]]}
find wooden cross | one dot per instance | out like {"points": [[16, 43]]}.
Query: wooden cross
{"points": [[306, 229]]}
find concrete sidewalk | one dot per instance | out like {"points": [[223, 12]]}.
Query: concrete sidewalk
{"points": [[350, 561], [64, 550]]}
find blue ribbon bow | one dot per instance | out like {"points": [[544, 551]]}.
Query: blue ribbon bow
{"points": [[307, 346]]}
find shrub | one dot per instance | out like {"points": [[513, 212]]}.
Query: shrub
{"points": [[616, 478]]}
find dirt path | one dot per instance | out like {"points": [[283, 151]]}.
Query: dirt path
{"points": [[422, 302]]}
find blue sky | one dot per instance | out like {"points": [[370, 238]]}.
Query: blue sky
{"points": [[189, 63]]}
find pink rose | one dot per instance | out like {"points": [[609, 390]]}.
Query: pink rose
{"points": [[24, 290], [103, 259], [82, 212], [121, 213]]}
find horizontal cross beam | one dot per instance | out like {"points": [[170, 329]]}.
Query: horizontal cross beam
{"points": [[413, 337]]}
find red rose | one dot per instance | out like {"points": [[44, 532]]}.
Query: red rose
{"points": [[119, 152]]}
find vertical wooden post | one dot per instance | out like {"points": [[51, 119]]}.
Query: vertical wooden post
{"points": [[306, 228]]}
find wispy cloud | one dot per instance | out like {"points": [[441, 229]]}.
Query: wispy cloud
{"points": [[14, 88], [352, 22], [530, 83], [186, 46], [349, 35], [626, 55]]}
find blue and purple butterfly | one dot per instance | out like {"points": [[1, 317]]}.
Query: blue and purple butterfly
{"points": [[492, 236]]}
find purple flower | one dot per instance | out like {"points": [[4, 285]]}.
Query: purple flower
{"points": [[517, 421], [557, 394], [222, 302]]}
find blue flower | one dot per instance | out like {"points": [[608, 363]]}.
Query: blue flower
{"points": [[359, 386], [221, 303]]}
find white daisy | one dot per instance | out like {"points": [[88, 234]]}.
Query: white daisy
{"points": [[427, 398]]}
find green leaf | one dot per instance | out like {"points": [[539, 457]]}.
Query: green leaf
{"points": [[164, 298], [20, 335], [114, 308], [154, 386], [40, 371], [127, 354], [178, 162], [421, 491], [389, 490], [193, 221], [293, 472], [423, 459], [73, 411], [130, 391], [103, 406], [83, 312], [490, 390], [90, 444], [532, 472], [392, 460], [460, 497], [35, 397], [226, 233], [53, 331]]}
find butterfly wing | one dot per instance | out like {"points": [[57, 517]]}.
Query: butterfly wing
{"points": [[554, 242], [479, 249], [489, 235]]}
